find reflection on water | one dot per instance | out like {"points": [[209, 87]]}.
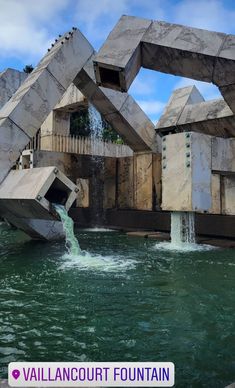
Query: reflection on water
{"points": [[126, 301]]}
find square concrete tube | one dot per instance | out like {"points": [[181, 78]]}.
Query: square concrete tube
{"points": [[37, 96], [170, 48], [36, 189], [184, 113], [27, 198]]}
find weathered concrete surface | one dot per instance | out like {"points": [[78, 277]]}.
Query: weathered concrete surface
{"points": [[143, 181], [121, 111], [209, 117], [58, 121], [228, 201], [10, 81], [83, 192], [223, 155], [129, 31], [27, 197], [186, 173], [170, 48], [38, 95], [176, 104]]}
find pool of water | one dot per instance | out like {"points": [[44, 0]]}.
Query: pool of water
{"points": [[127, 299]]}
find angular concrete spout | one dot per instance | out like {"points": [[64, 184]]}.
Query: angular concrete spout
{"points": [[170, 48], [27, 198]]}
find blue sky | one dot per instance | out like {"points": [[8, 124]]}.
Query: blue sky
{"points": [[27, 28]]}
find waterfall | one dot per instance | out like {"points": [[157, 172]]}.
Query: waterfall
{"points": [[182, 228], [96, 133], [71, 241]]}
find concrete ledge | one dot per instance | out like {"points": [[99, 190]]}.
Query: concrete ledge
{"points": [[140, 220]]}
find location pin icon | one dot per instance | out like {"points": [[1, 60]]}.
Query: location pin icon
{"points": [[16, 373]]}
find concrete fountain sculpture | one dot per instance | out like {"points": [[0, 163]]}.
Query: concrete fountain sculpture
{"points": [[69, 60], [194, 179]]}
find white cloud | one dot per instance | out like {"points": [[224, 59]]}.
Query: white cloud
{"points": [[25, 27], [99, 17]]}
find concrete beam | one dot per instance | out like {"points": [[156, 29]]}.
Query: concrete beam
{"points": [[38, 95], [170, 48], [209, 117], [10, 81], [121, 111]]}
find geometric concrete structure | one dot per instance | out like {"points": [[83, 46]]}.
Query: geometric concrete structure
{"points": [[198, 173], [169, 48], [27, 197], [22, 116], [120, 110], [10, 81], [186, 172], [187, 114]]}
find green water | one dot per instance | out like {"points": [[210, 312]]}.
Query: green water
{"points": [[124, 301]]}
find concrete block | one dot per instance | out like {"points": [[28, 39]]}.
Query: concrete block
{"points": [[83, 192], [71, 100], [213, 118], [165, 47], [30, 193], [186, 172], [180, 50], [10, 81], [223, 155], [215, 194], [67, 57], [12, 143], [228, 200], [224, 73], [157, 181], [228, 92], [110, 166], [143, 181], [38, 229], [175, 106], [125, 183], [121, 51], [33, 101]]}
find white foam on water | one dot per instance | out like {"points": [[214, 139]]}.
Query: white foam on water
{"points": [[96, 229], [183, 247], [98, 263]]}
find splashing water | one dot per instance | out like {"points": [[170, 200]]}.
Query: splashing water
{"points": [[183, 234], [183, 228], [77, 258], [71, 241]]}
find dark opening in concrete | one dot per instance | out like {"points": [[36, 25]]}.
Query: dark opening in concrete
{"points": [[58, 192], [109, 78]]}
